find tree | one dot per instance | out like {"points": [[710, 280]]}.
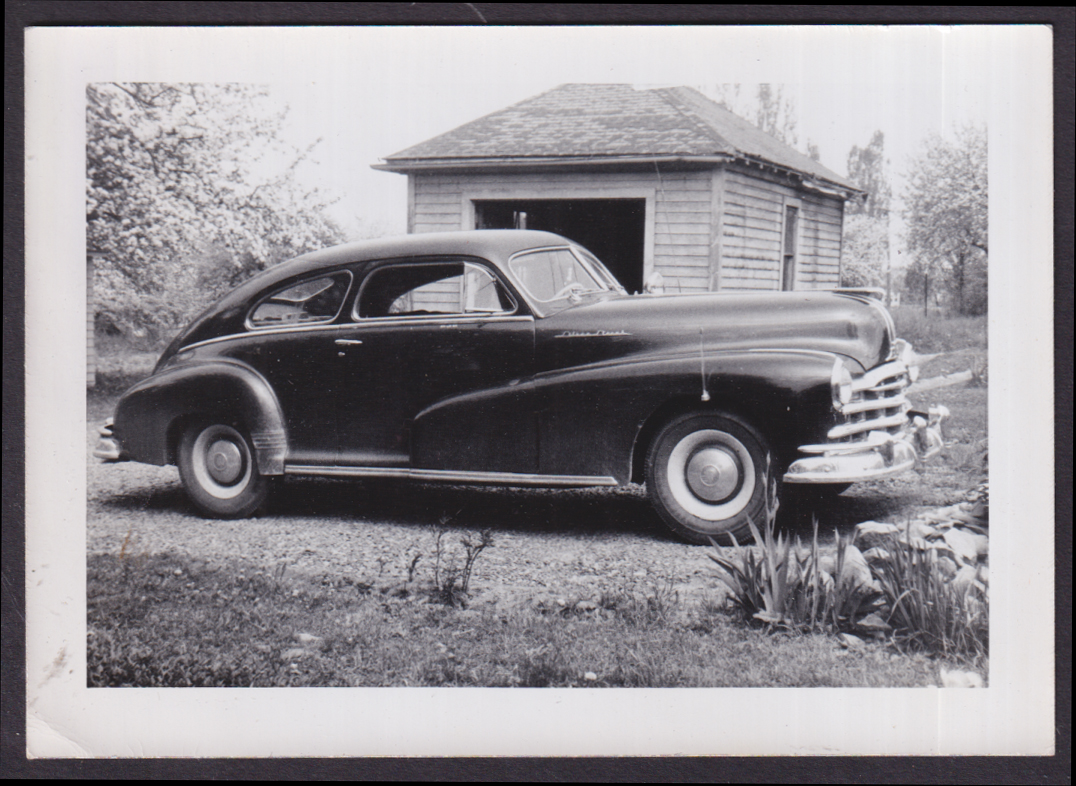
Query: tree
{"points": [[768, 107], [946, 210], [865, 243], [776, 114], [189, 189]]}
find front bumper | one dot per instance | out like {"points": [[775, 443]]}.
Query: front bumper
{"points": [[108, 447], [881, 454]]}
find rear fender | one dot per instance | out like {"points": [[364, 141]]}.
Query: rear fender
{"points": [[151, 415]]}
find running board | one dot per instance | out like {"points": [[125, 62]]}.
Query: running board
{"points": [[453, 476]]}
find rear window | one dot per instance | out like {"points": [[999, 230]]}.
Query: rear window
{"points": [[311, 302]]}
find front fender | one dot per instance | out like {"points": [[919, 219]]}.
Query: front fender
{"points": [[594, 420], [150, 415]]}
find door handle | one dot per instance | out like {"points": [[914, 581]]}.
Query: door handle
{"points": [[347, 342]]}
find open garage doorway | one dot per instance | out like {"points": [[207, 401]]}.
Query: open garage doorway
{"points": [[613, 229]]}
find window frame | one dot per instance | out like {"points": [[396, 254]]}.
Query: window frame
{"points": [[248, 321], [488, 268]]}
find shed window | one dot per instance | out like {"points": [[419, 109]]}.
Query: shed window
{"points": [[788, 254]]}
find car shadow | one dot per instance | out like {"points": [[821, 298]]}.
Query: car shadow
{"points": [[549, 511], [471, 507]]}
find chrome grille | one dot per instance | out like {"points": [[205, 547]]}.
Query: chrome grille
{"points": [[878, 404]]}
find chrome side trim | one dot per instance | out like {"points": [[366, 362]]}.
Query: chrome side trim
{"points": [[379, 322], [453, 476]]}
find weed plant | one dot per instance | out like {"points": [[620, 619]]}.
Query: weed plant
{"points": [[927, 610], [786, 585]]}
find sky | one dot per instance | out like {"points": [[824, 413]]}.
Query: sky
{"points": [[371, 92]]}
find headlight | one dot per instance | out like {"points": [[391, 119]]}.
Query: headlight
{"points": [[909, 358], [840, 383]]}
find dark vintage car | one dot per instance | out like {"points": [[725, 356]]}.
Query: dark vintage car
{"points": [[515, 358]]}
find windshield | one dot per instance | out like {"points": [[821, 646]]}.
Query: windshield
{"points": [[600, 269], [555, 278]]}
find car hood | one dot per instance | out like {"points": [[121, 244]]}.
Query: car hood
{"points": [[852, 326]]}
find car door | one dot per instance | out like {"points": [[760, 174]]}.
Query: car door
{"points": [[290, 343], [426, 332]]}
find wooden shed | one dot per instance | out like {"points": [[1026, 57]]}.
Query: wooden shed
{"points": [[648, 179]]}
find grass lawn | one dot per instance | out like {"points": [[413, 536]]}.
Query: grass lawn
{"points": [[161, 621]]}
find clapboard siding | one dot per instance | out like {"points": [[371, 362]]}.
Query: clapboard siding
{"points": [[704, 229], [681, 221]]}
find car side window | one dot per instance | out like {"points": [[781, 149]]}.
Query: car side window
{"points": [[425, 288], [311, 302]]}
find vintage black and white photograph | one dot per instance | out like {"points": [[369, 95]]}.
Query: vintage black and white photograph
{"points": [[648, 363]]}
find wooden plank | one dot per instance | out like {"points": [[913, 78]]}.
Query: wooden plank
{"points": [[760, 189], [766, 269], [735, 243], [738, 203], [700, 228], [702, 277], [681, 241], [744, 224], [437, 197], [425, 208]]}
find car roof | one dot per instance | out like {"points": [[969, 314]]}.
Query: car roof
{"points": [[493, 244]]}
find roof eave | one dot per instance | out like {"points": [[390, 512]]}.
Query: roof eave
{"points": [[404, 166], [415, 165]]}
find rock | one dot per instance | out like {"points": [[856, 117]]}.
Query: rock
{"points": [[586, 605], [966, 578], [964, 544], [590, 676], [921, 530], [869, 534], [947, 567], [877, 553], [294, 654], [873, 624], [850, 642], [308, 639], [855, 569]]}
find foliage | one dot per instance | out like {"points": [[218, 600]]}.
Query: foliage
{"points": [[452, 581], [767, 106], [946, 210], [929, 610], [789, 586], [936, 332], [189, 190], [864, 251], [867, 169], [865, 243]]}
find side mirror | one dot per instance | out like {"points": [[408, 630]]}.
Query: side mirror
{"points": [[655, 284]]}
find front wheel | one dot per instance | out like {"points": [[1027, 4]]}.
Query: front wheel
{"points": [[216, 464], [706, 476]]}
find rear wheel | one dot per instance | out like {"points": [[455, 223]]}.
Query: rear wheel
{"points": [[706, 476], [217, 466]]}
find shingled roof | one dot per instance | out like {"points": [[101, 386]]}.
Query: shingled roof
{"points": [[607, 123]]}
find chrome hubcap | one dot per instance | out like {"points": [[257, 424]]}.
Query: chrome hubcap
{"points": [[713, 474], [224, 461]]}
